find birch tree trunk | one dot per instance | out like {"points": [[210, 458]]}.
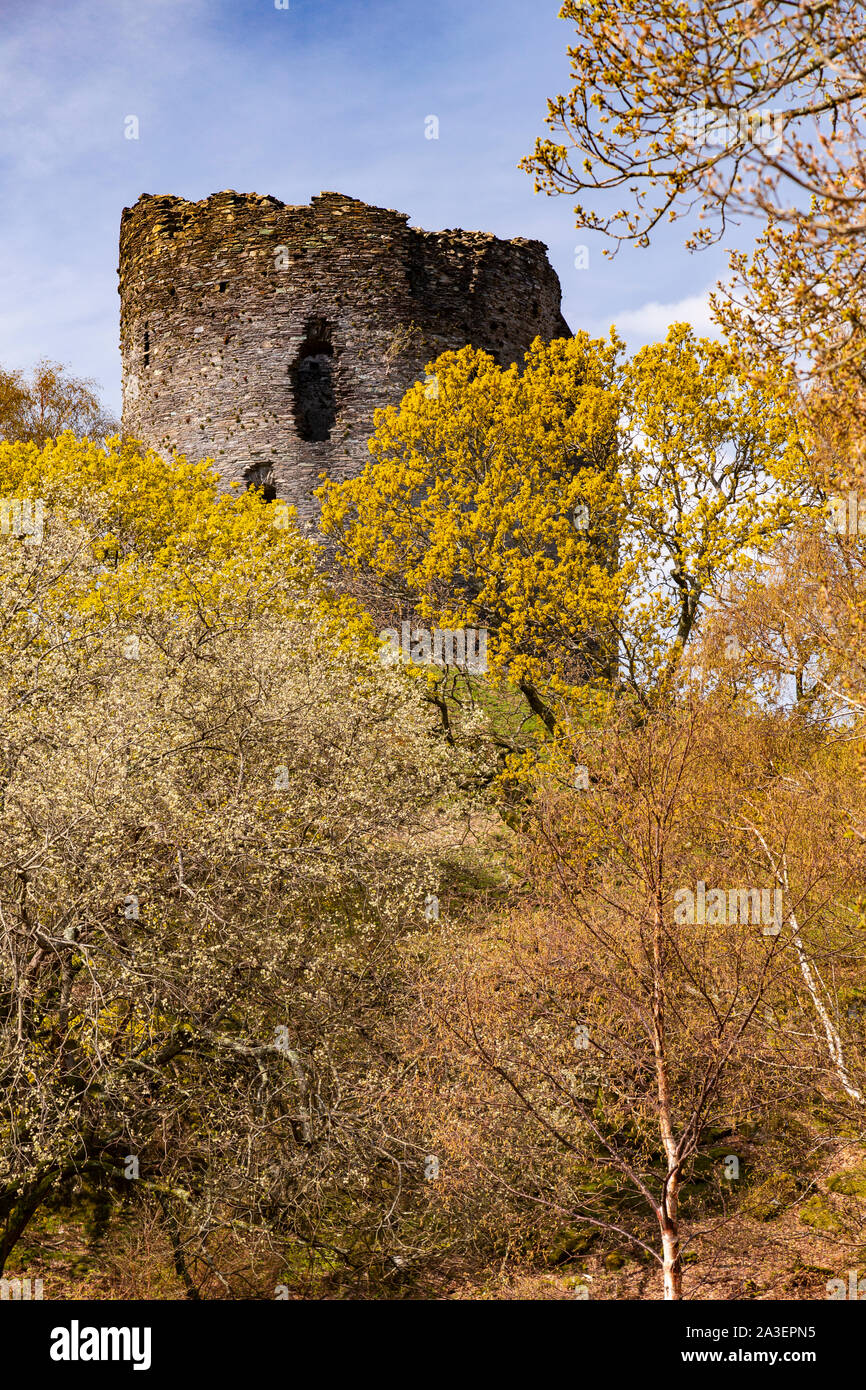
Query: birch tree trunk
{"points": [[672, 1263], [668, 1207]]}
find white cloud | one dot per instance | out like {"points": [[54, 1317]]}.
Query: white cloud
{"points": [[650, 322]]}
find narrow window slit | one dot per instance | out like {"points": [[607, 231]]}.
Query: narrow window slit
{"points": [[312, 376]]}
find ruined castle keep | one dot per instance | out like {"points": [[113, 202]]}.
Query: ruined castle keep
{"points": [[264, 335]]}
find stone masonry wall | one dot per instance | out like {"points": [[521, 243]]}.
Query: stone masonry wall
{"points": [[264, 335]]}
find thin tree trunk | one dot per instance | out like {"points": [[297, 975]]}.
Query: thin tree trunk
{"points": [[180, 1265], [16, 1215], [672, 1263], [538, 707], [668, 1208], [834, 1042]]}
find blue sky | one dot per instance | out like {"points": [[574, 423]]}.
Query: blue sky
{"points": [[325, 95]]}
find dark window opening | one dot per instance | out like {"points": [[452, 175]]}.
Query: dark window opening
{"points": [[313, 383], [146, 345], [261, 475]]}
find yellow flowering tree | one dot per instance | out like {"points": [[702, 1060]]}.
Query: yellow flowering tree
{"points": [[157, 537], [492, 502], [716, 468], [583, 509]]}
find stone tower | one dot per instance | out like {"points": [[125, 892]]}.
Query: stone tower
{"points": [[264, 336]]}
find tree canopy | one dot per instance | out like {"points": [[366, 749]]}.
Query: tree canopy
{"points": [[583, 510]]}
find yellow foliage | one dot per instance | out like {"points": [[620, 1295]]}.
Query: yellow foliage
{"points": [[468, 509], [153, 542], [581, 509]]}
